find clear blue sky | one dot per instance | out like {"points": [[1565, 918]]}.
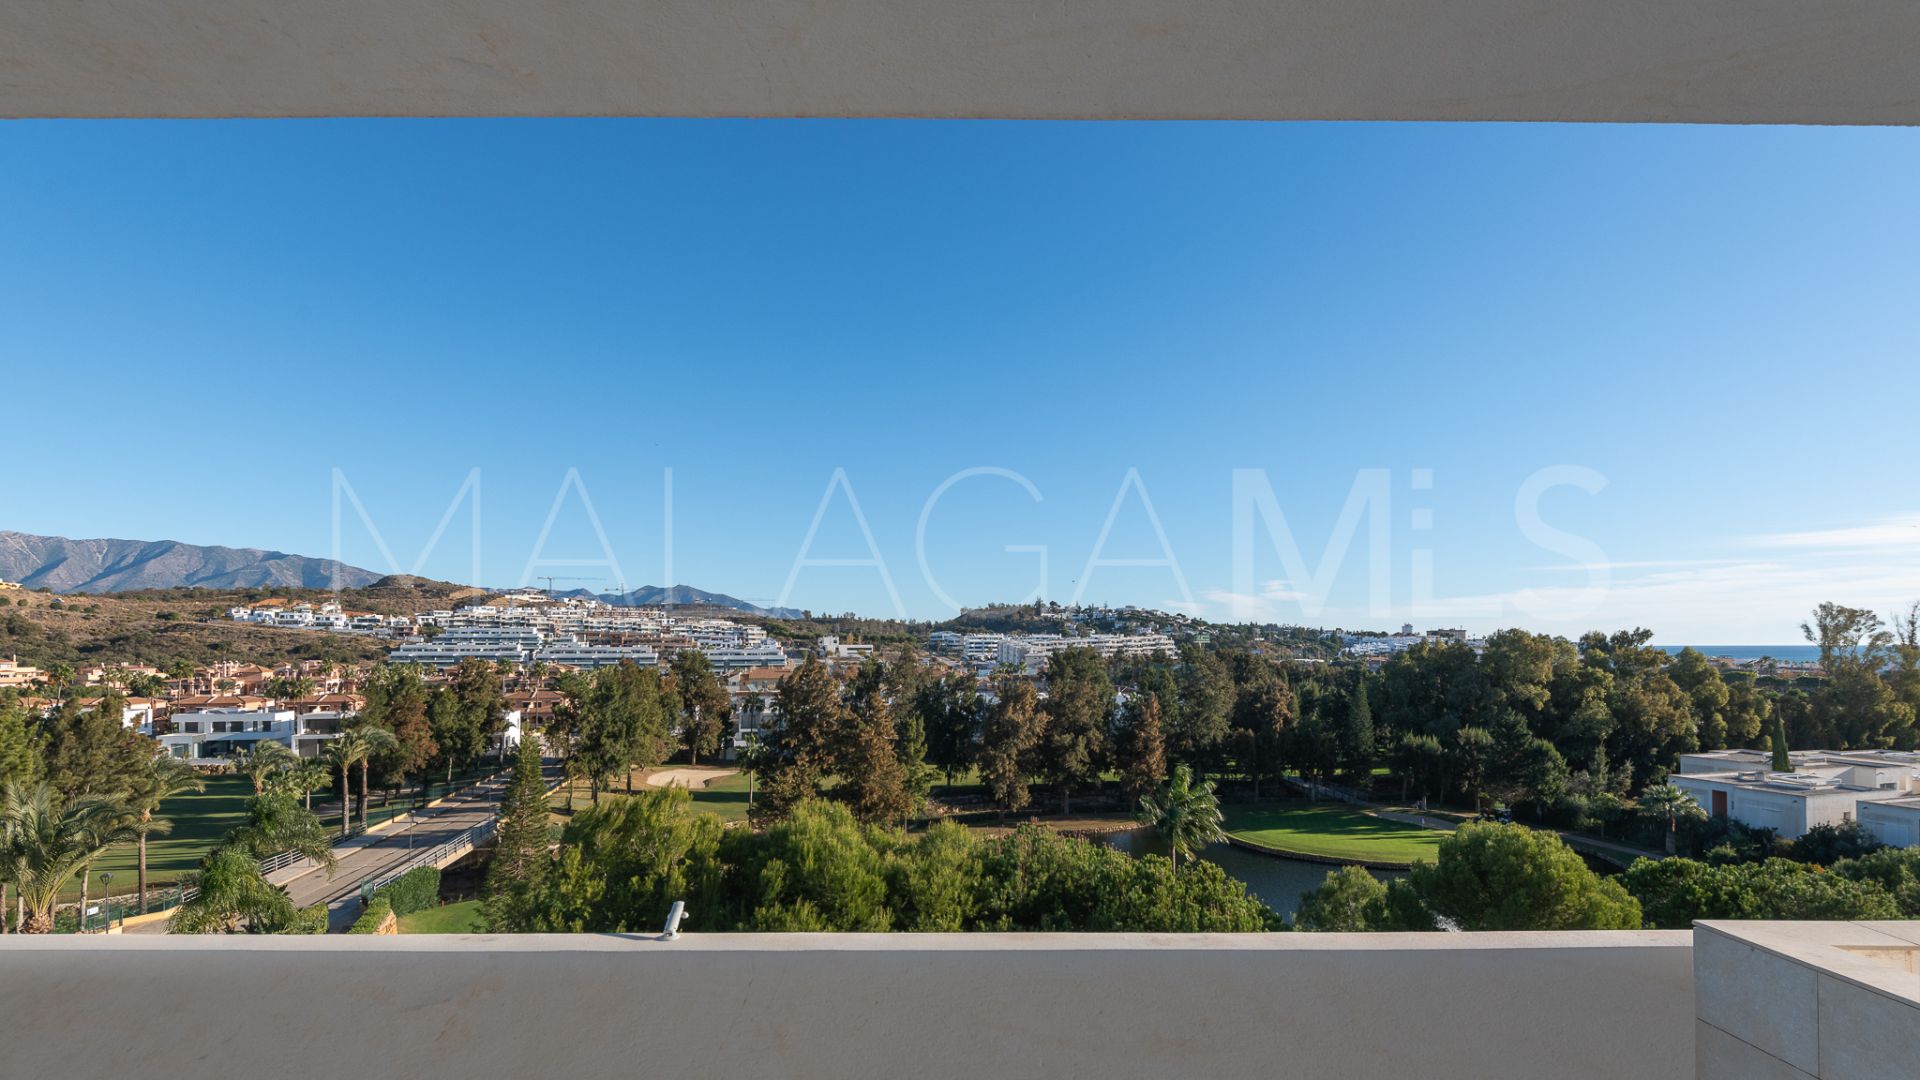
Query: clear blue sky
{"points": [[200, 322]]}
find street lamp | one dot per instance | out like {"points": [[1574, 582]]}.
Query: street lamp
{"points": [[106, 883]]}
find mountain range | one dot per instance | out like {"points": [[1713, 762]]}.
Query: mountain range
{"points": [[105, 566], [99, 566]]}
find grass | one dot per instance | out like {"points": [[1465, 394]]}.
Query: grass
{"points": [[1331, 831], [462, 918], [200, 822]]}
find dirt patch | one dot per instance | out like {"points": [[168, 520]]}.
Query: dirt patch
{"points": [[686, 778]]}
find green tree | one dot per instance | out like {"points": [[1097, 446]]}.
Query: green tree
{"points": [[950, 713], [46, 840], [1350, 900], [1707, 695], [1675, 892], [875, 782], [1782, 760], [20, 761], [233, 893], [162, 779], [516, 875], [483, 708], [801, 753], [260, 762], [1356, 746], [397, 703], [359, 745], [1008, 743], [703, 704], [1143, 747], [1198, 727], [1079, 707], [1185, 814], [1669, 803], [89, 752], [1487, 876]]}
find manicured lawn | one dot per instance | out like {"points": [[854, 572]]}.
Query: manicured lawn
{"points": [[725, 798], [200, 822], [1331, 830], [461, 918]]}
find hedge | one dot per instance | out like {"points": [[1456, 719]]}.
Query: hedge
{"points": [[370, 919], [415, 890], [308, 920]]}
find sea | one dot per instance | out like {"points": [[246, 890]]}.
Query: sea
{"points": [[1800, 653]]}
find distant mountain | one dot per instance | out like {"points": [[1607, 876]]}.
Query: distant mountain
{"points": [[98, 566], [683, 596]]}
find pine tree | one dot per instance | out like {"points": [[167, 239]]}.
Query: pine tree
{"points": [[1012, 731], [1357, 750], [1146, 748], [20, 761], [520, 860]]}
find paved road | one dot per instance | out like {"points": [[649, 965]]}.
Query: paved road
{"points": [[362, 856]]}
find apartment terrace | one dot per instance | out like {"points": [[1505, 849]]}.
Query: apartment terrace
{"points": [[1834, 1001]]}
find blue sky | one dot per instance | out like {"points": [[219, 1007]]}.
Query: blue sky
{"points": [[201, 322]]}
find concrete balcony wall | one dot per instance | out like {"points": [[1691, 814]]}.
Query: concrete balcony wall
{"points": [[936, 1007], [1701, 61]]}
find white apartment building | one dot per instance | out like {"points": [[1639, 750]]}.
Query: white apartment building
{"points": [[572, 652], [1032, 650], [981, 648], [1824, 788]]}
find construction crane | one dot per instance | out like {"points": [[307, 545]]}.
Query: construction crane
{"points": [[550, 579]]}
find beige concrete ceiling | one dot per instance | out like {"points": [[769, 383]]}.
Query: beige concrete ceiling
{"points": [[1705, 61]]}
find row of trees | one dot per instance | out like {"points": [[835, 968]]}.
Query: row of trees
{"points": [[623, 864], [625, 717]]}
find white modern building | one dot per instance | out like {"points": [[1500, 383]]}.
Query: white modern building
{"points": [[1895, 822], [1824, 788]]}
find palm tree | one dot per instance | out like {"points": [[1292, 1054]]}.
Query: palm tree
{"points": [[306, 778], [261, 761], [361, 744], [1665, 800], [341, 755], [233, 891], [47, 843], [164, 778], [1185, 813]]}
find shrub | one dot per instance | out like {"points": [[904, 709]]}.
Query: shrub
{"points": [[308, 920], [415, 890], [370, 919], [1675, 892], [1510, 877], [1825, 845]]}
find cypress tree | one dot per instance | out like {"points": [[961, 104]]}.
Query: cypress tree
{"points": [[1781, 762]]}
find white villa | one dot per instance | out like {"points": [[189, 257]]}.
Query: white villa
{"points": [[1824, 788]]}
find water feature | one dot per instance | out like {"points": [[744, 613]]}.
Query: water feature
{"points": [[1276, 881]]}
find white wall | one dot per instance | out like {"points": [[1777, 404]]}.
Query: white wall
{"points": [[1897, 826], [926, 1007]]}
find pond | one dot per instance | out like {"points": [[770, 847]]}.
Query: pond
{"points": [[1276, 881]]}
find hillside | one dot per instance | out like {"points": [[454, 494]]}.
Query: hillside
{"points": [[100, 566], [157, 627]]}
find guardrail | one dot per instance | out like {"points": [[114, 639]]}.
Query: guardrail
{"points": [[466, 841]]}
